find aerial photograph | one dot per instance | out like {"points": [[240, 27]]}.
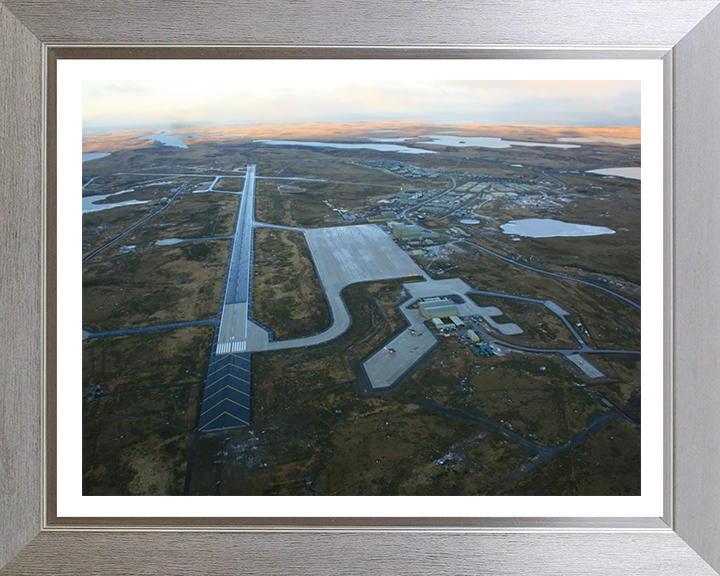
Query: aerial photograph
{"points": [[356, 287]]}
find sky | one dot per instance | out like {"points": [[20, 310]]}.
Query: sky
{"points": [[175, 101]]}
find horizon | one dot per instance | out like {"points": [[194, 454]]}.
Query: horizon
{"points": [[400, 124], [170, 103]]}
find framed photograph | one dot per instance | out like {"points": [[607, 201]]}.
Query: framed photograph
{"points": [[379, 179]]}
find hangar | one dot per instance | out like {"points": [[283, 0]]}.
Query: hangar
{"points": [[438, 308]]}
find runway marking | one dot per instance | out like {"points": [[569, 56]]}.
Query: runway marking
{"points": [[228, 347], [223, 388], [216, 361], [225, 414], [236, 378], [224, 359], [223, 377], [224, 400], [240, 358], [218, 370], [236, 307], [246, 312]]}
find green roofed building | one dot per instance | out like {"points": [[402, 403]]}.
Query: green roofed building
{"points": [[438, 308], [439, 324], [384, 216], [403, 231]]}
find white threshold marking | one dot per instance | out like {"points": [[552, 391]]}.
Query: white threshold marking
{"points": [[228, 347]]}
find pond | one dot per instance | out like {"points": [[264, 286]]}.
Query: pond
{"points": [[602, 139], [631, 172], [549, 228], [478, 141], [89, 203], [366, 146]]}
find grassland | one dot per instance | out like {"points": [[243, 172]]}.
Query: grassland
{"points": [[230, 184], [316, 427], [305, 204], [125, 363], [607, 464], [140, 445], [136, 440], [612, 255], [606, 322], [541, 328], [301, 402], [164, 284], [101, 227], [287, 295], [188, 216]]}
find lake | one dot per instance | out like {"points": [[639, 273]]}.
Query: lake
{"points": [[549, 228], [168, 140], [631, 172], [601, 139], [365, 146], [94, 155], [477, 141], [89, 202]]}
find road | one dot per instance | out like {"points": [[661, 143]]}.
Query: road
{"points": [[516, 263], [176, 175], [549, 304], [554, 274], [152, 215], [562, 184], [157, 328], [279, 227], [416, 206]]}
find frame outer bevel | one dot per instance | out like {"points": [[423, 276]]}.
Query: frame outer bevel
{"points": [[696, 110], [606, 551], [21, 279]]}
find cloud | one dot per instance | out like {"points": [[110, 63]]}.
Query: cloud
{"points": [[190, 102]]}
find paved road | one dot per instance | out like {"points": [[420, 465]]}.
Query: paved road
{"points": [[176, 175], [554, 274], [549, 304], [157, 328], [416, 206], [173, 241], [279, 226], [152, 215], [428, 403], [562, 184], [292, 178]]}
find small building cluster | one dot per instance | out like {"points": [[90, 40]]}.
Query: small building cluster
{"points": [[410, 232], [482, 349], [384, 216]]}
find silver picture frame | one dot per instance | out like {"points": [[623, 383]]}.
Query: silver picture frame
{"points": [[685, 34]]}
